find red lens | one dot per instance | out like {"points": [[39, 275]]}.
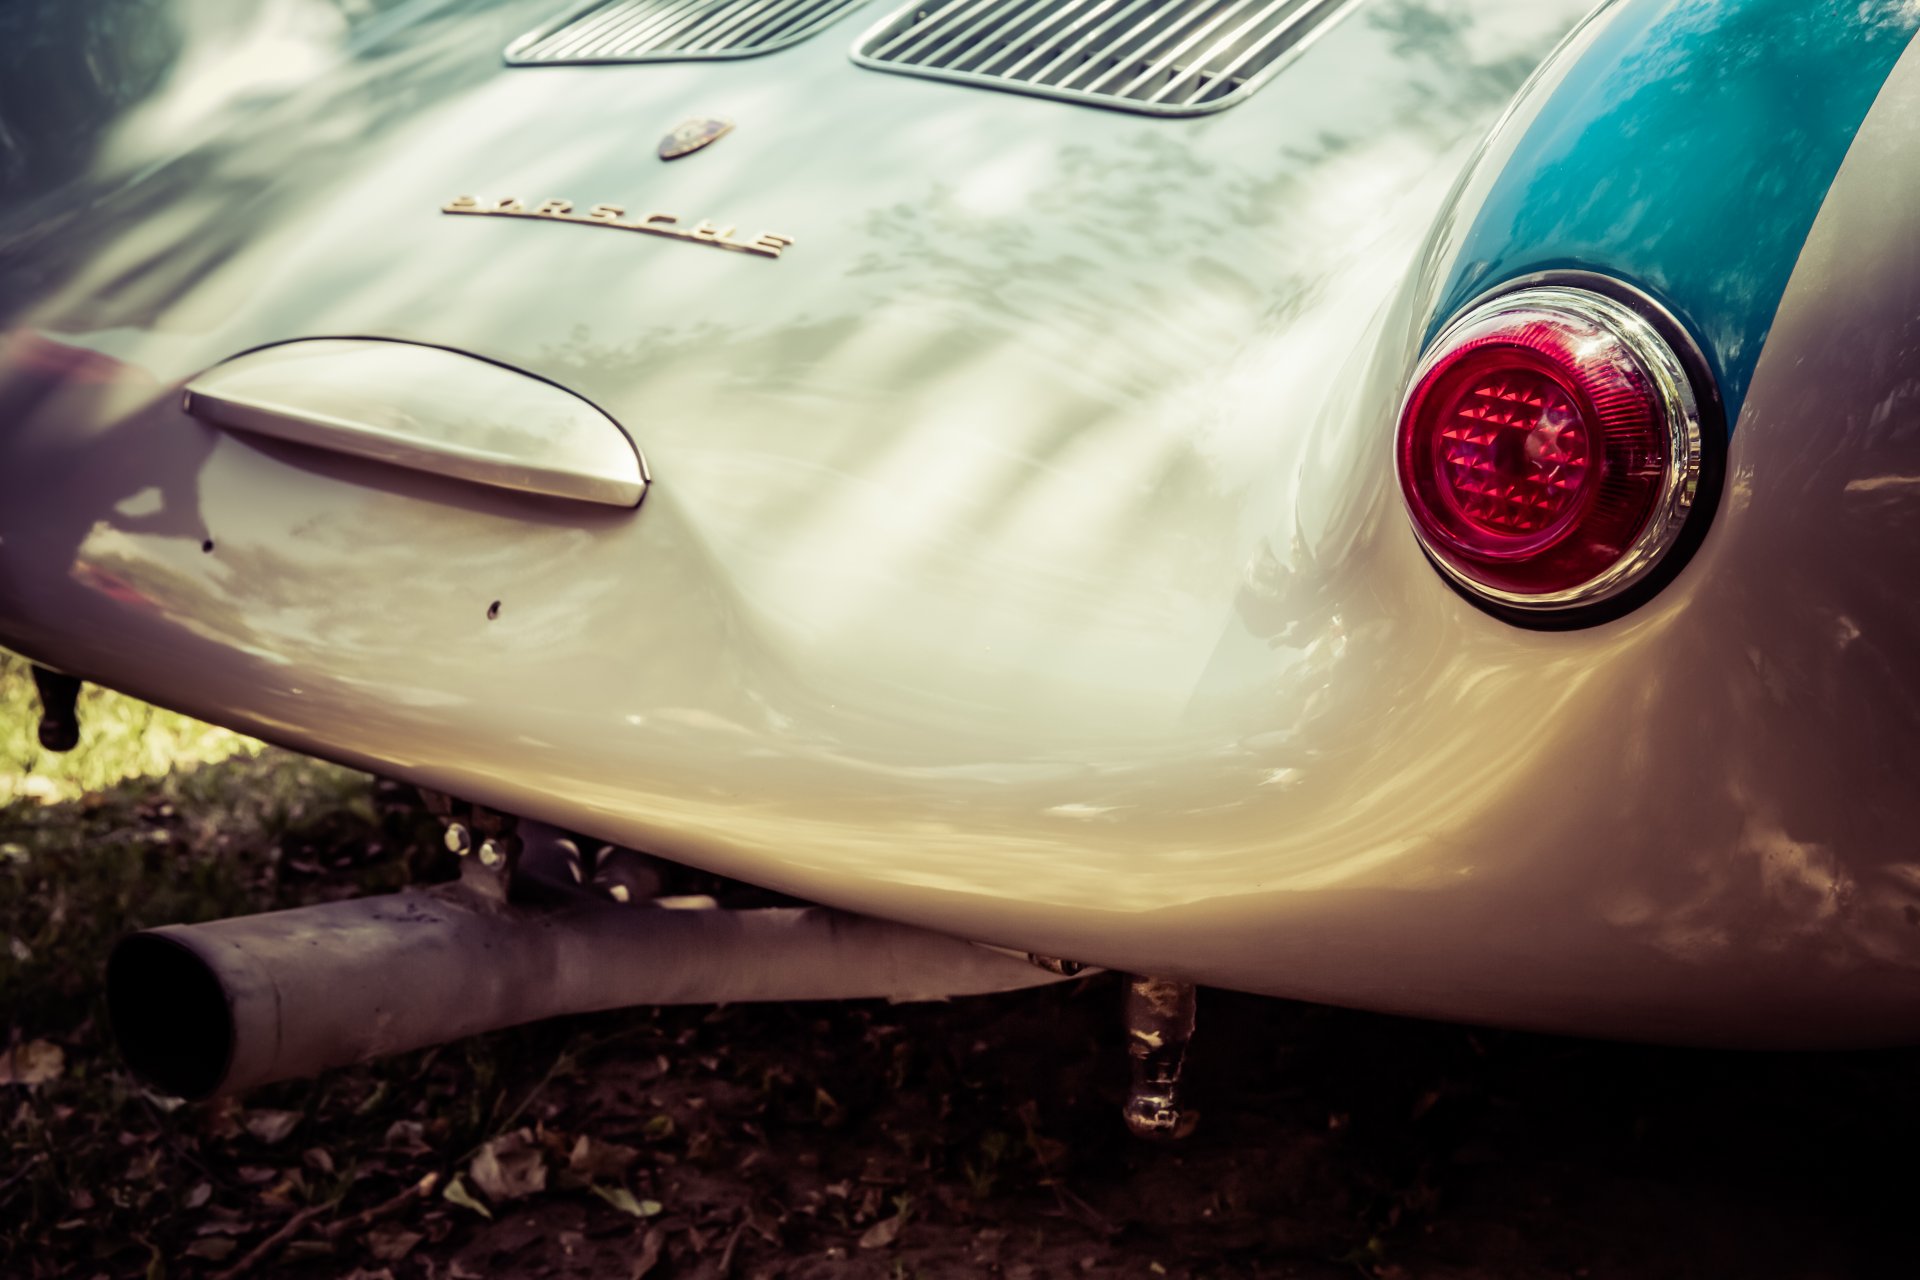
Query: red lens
{"points": [[1534, 449]]}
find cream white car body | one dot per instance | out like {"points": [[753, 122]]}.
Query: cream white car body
{"points": [[1021, 555]]}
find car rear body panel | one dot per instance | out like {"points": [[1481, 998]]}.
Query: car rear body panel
{"points": [[1022, 556]]}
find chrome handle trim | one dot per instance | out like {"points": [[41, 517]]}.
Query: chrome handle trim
{"points": [[424, 409]]}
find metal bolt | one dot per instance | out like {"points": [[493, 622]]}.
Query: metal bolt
{"points": [[459, 839], [491, 854]]}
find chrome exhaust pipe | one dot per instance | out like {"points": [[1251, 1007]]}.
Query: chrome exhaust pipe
{"points": [[208, 1009]]}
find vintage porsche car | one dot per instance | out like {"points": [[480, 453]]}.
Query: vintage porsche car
{"points": [[1412, 504]]}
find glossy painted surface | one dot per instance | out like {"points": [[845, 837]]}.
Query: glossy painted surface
{"points": [[424, 409], [1687, 150], [1023, 557]]}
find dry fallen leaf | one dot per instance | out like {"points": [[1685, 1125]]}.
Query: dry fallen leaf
{"points": [[201, 1193], [649, 1253], [456, 1193], [288, 1191], [234, 1225], [390, 1243], [510, 1167], [271, 1126], [212, 1248], [594, 1159], [32, 1064], [223, 1119], [623, 1200], [881, 1234], [409, 1136]]}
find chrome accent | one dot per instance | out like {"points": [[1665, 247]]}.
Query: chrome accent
{"points": [[770, 244], [674, 30], [424, 409], [1679, 407], [1178, 58]]}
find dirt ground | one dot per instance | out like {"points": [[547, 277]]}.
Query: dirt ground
{"points": [[982, 1139], [976, 1138], [1332, 1145]]}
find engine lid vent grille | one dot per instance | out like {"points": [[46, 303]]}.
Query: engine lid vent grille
{"points": [[673, 30], [1162, 57]]}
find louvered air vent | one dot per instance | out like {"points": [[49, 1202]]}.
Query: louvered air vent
{"points": [[1163, 57], [669, 30]]}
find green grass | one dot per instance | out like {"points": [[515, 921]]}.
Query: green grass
{"points": [[126, 740]]}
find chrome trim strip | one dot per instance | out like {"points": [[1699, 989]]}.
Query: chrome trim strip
{"points": [[1102, 43], [1078, 46], [1225, 45], [1063, 13], [1193, 37], [424, 409], [618, 31]]}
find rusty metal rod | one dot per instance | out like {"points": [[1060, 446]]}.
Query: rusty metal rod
{"points": [[215, 1008], [1160, 1017]]}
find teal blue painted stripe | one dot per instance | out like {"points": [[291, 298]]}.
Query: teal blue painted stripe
{"points": [[1688, 151]]}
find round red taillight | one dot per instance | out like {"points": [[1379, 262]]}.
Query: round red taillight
{"points": [[1549, 450]]}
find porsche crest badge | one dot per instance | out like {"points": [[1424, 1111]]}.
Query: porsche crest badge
{"points": [[690, 135]]}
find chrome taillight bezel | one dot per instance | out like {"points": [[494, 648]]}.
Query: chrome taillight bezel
{"points": [[1688, 405]]}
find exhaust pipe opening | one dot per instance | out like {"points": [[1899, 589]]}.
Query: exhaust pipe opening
{"points": [[170, 1014]]}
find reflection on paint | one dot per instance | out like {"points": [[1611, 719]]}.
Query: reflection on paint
{"points": [[1026, 564], [1688, 150]]}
